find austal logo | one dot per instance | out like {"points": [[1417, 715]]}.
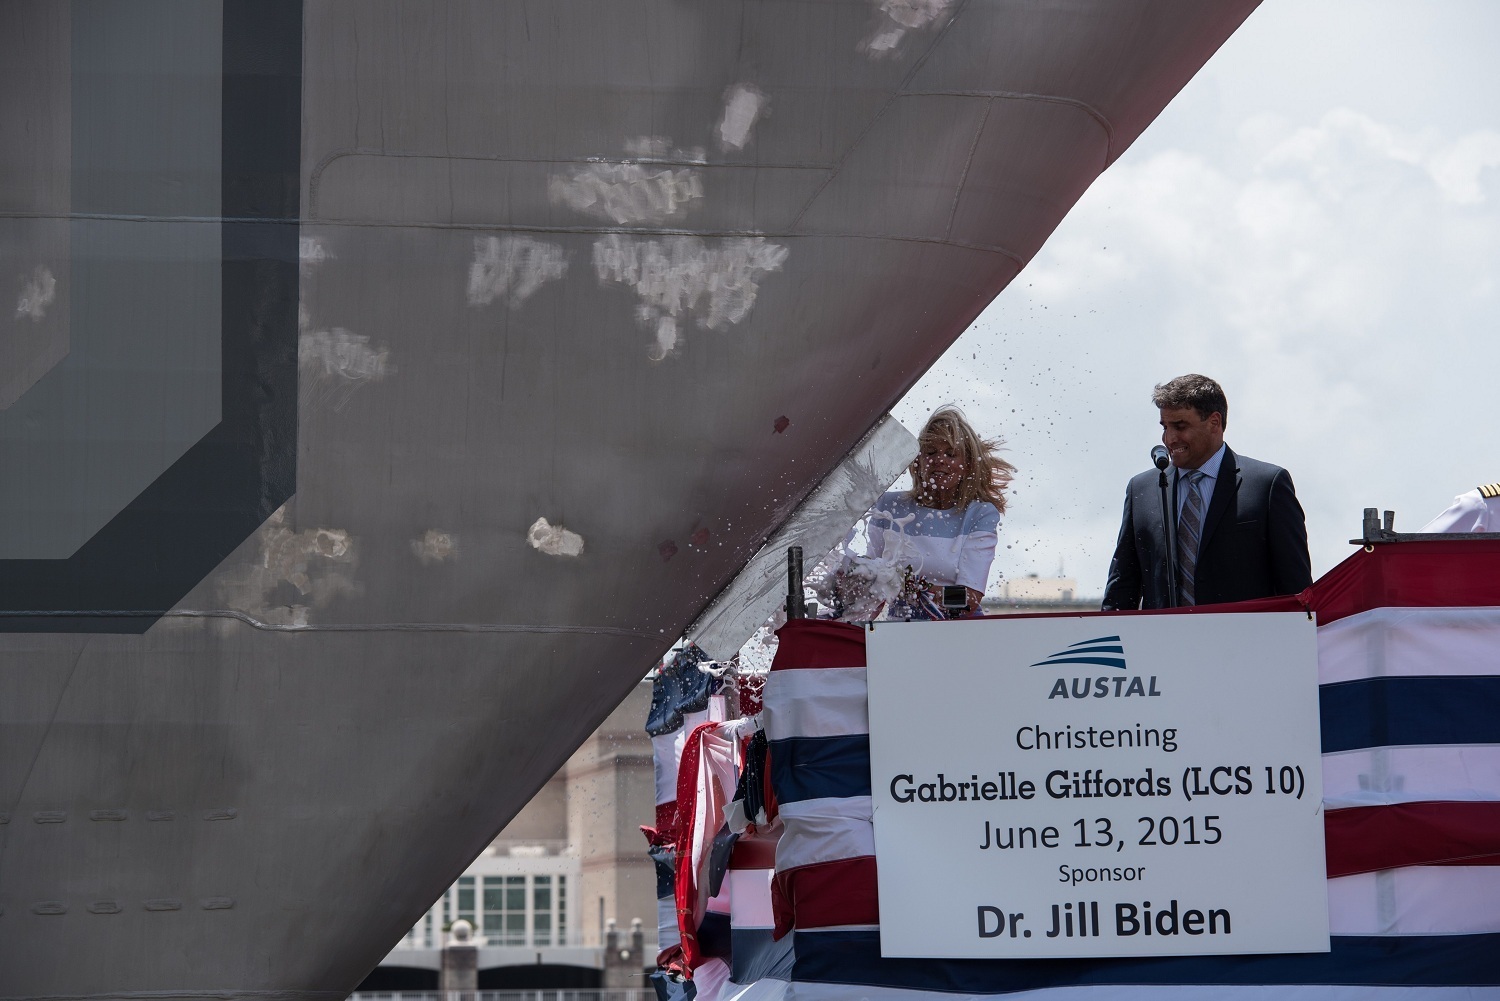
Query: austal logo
{"points": [[1101, 651], [1106, 651]]}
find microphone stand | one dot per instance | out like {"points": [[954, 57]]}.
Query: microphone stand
{"points": [[1169, 527]]}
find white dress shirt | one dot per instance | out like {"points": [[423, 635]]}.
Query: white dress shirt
{"points": [[1210, 471]]}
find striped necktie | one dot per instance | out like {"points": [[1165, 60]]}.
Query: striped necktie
{"points": [[1189, 532]]}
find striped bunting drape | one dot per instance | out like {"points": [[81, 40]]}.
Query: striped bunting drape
{"points": [[1409, 663]]}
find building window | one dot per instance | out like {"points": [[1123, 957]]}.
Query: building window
{"points": [[505, 910], [465, 909], [541, 910]]}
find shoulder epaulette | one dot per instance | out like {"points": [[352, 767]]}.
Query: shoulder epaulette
{"points": [[1490, 490]]}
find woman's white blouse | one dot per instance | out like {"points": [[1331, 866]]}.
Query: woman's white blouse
{"points": [[954, 546]]}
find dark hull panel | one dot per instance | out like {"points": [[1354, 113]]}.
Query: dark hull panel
{"points": [[389, 383]]}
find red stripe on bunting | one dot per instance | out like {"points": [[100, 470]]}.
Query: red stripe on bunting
{"points": [[826, 895], [665, 831], [1461, 573], [754, 853], [819, 643], [1368, 838]]}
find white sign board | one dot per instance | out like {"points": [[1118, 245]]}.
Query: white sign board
{"points": [[1117, 786]]}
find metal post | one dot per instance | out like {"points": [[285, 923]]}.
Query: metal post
{"points": [[796, 607]]}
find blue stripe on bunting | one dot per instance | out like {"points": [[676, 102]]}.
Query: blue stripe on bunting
{"points": [[853, 957], [664, 857], [714, 935], [758, 957], [669, 988], [1381, 712], [820, 767]]}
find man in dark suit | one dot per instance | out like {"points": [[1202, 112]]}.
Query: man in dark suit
{"points": [[1238, 528]]}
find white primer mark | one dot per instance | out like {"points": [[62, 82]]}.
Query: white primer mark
{"points": [[681, 276], [435, 546], [915, 13], [626, 191], [743, 106], [310, 251], [554, 540], [894, 19], [512, 267], [661, 148], [294, 572], [37, 293], [337, 362]]}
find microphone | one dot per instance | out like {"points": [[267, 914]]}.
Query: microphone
{"points": [[1161, 459]]}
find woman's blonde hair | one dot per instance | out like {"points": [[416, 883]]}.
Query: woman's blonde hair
{"points": [[986, 475]]}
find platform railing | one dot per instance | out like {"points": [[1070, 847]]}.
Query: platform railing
{"points": [[551, 994]]}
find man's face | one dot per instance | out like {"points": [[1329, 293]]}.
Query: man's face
{"points": [[1191, 441]]}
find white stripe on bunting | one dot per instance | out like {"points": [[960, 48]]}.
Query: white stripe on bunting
{"points": [[667, 932], [1410, 642], [666, 755], [823, 702], [825, 830], [1382, 776], [1416, 900]]}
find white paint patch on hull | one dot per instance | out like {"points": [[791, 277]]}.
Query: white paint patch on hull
{"points": [[744, 104], [311, 252], [627, 192], [435, 546], [554, 540], [296, 572], [683, 276], [38, 290], [512, 268], [895, 19], [334, 363]]}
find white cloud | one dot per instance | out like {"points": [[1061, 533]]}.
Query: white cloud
{"points": [[1457, 169]]}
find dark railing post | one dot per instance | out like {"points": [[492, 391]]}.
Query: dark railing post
{"points": [[796, 607]]}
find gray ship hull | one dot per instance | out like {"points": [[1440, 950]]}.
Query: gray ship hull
{"points": [[390, 383]]}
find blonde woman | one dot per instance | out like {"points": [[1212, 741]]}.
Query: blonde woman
{"points": [[946, 527]]}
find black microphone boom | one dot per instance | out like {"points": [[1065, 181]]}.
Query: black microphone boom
{"points": [[1161, 460]]}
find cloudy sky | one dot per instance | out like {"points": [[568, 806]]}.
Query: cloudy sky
{"points": [[1314, 222]]}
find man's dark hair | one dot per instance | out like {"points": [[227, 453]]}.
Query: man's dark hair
{"points": [[1196, 391]]}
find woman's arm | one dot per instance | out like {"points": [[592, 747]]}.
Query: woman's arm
{"points": [[977, 553]]}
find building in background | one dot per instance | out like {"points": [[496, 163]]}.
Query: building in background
{"points": [[1038, 594], [548, 893]]}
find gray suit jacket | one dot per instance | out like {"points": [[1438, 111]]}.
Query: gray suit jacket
{"points": [[1254, 541]]}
